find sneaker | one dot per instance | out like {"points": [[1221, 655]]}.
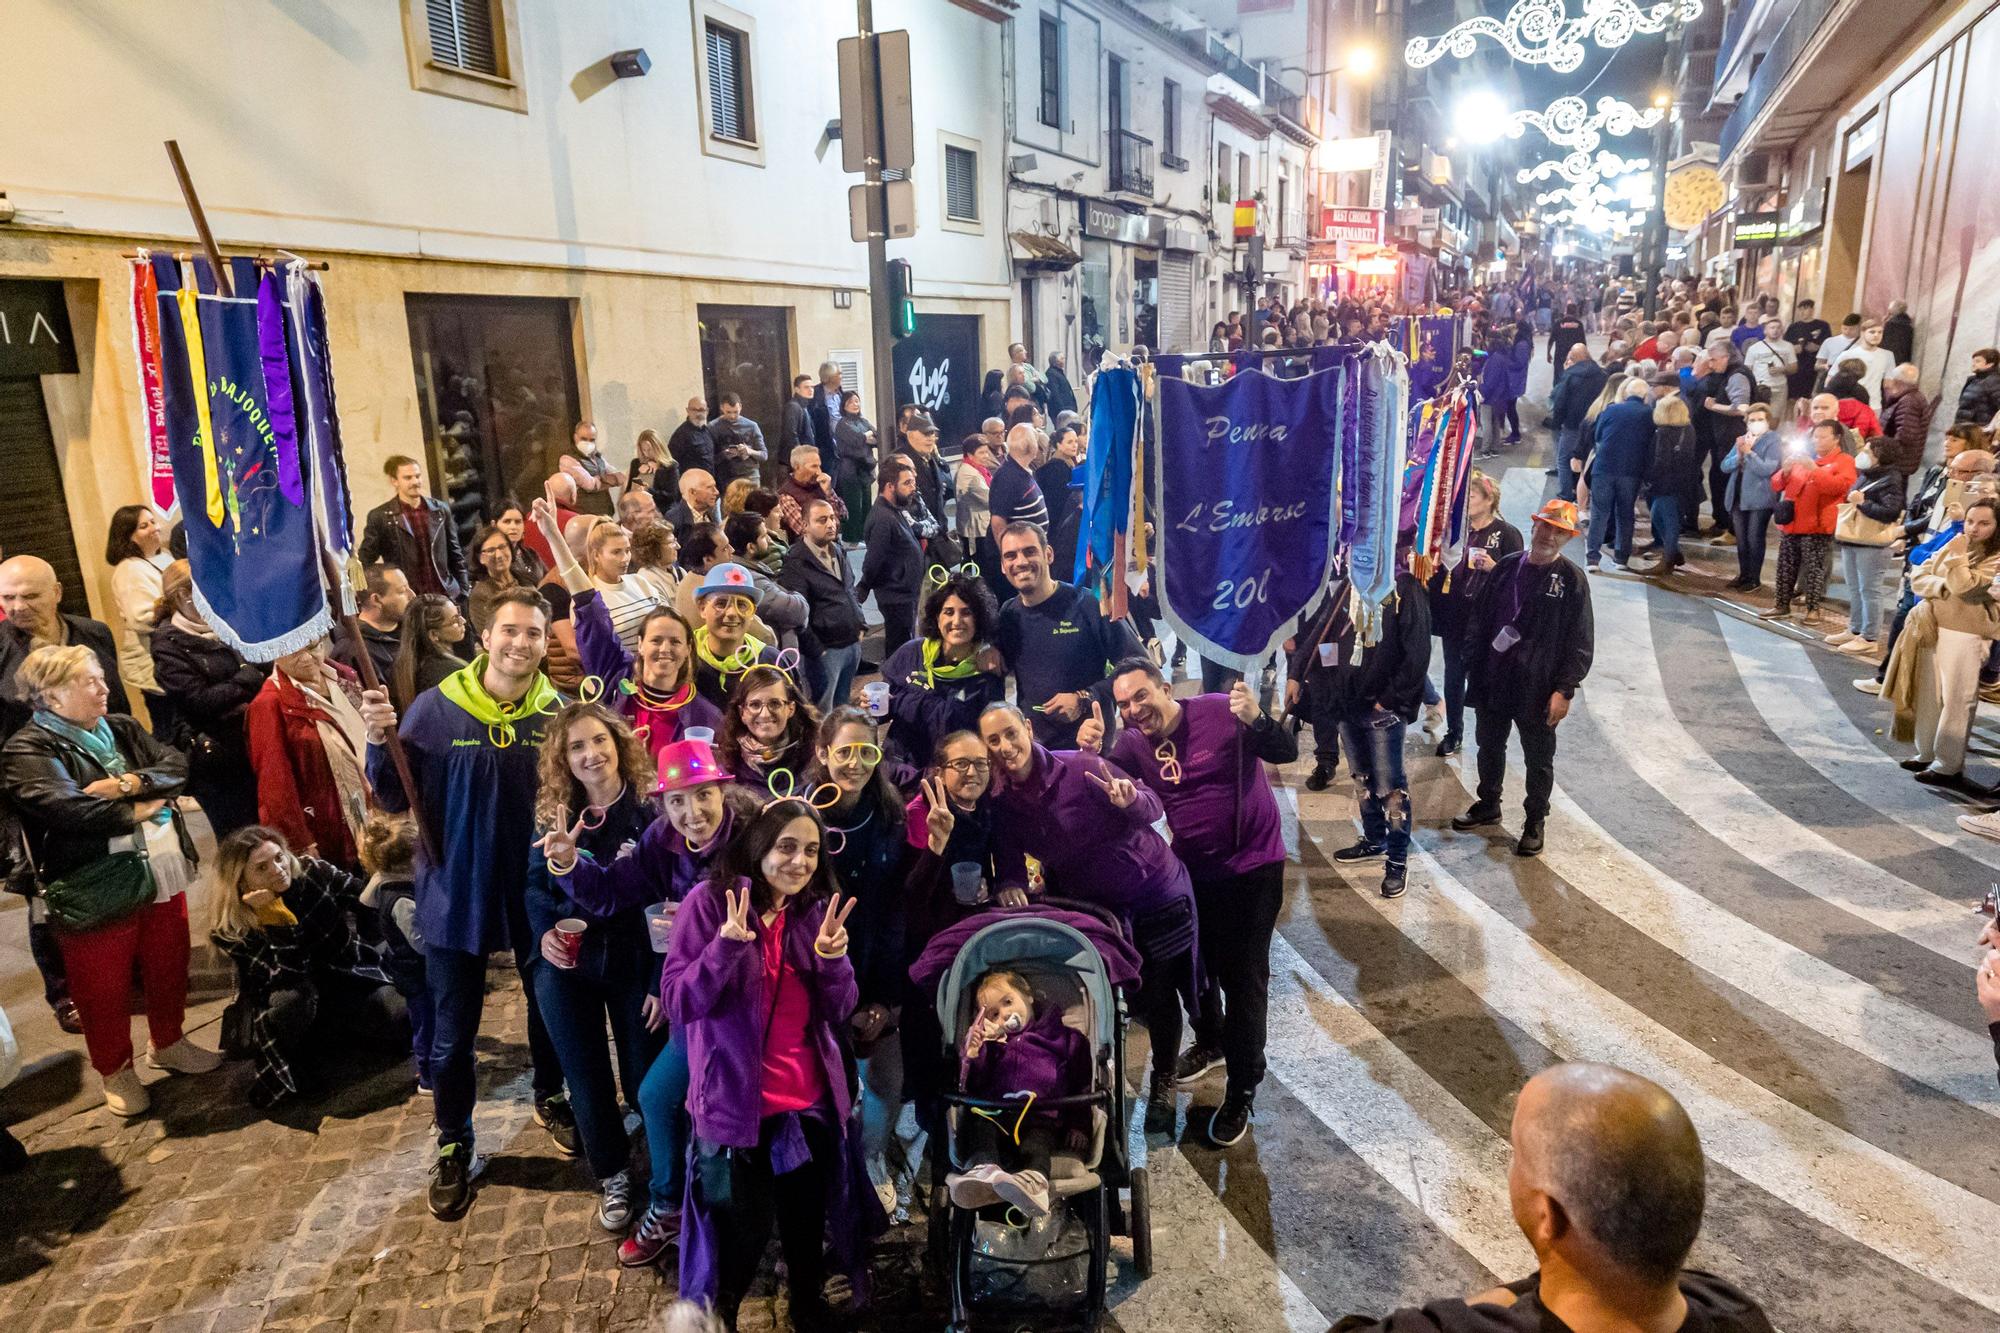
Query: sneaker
{"points": [[1231, 1120], [658, 1229], [1530, 841], [1479, 816], [1449, 745], [972, 1189], [1434, 720], [1840, 636], [1320, 778], [614, 1207], [554, 1115], [1358, 853], [124, 1094], [1858, 646], [1592, 566], [1990, 693], [1776, 613], [1025, 1190], [1160, 1108], [183, 1057], [1868, 685], [68, 1019], [1196, 1061], [1986, 825], [1395, 878], [452, 1175]]}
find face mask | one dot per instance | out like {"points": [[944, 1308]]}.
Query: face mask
{"points": [[1864, 460]]}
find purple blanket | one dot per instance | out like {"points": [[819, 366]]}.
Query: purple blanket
{"points": [[1121, 962]]}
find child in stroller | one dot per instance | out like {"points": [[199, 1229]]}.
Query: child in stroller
{"points": [[1016, 1051]]}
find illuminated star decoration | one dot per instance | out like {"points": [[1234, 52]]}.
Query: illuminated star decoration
{"points": [[1541, 32], [1567, 122]]}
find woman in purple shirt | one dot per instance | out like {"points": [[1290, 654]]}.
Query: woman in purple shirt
{"points": [[1091, 827]]}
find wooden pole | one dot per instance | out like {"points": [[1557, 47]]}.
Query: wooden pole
{"points": [[329, 574]]}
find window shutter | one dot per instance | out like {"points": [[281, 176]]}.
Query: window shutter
{"points": [[961, 184], [849, 361], [726, 112], [462, 35]]}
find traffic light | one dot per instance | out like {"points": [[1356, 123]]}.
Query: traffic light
{"points": [[902, 305]]}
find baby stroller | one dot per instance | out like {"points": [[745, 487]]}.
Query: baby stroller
{"points": [[1094, 1194]]}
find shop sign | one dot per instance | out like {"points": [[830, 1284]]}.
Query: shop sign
{"points": [[1756, 228], [937, 368], [1351, 224], [35, 336], [1108, 222]]}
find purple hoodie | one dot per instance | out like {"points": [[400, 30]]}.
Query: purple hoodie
{"points": [[1046, 1058], [1224, 817], [1089, 848]]}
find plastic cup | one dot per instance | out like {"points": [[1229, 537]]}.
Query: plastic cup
{"points": [[1326, 652], [965, 881], [876, 692], [570, 931], [660, 925], [706, 734]]}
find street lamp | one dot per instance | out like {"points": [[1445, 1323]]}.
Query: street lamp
{"points": [[1362, 61], [1480, 116]]}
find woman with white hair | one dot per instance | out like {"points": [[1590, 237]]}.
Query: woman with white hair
{"points": [[95, 794]]}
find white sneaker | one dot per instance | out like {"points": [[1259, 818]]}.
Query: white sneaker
{"points": [[1868, 685], [1986, 825], [1026, 1190], [1858, 646], [1434, 721], [124, 1094], [973, 1189], [183, 1057], [1840, 637]]}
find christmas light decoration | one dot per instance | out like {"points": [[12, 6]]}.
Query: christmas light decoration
{"points": [[1568, 123], [1541, 32], [1578, 167]]}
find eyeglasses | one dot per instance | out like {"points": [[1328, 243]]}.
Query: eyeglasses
{"points": [[866, 752], [967, 768], [767, 706]]}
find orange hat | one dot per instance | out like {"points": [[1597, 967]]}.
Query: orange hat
{"points": [[1560, 515], [685, 764]]}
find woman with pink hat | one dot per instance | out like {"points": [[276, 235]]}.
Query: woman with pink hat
{"points": [[675, 853]]}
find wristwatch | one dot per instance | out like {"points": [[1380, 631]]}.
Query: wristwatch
{"points": [[127, 784]]}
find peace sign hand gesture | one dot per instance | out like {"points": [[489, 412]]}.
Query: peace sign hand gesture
{"points": [[831, 942], [559, 848], [736, 923], [1090, 734], [1119, 791], [938, 818]]}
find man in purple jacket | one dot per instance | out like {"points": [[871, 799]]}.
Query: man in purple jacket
{"points": [[1204, 758]]}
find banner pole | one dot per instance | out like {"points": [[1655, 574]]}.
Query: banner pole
{"points": [[329, 575]]}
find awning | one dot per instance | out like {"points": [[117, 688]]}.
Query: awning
{"points": [[1035, 250]]}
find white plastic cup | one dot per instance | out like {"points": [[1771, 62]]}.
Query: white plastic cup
{"points": [[1326, 652], [706, 734], [876, 692], [660, 925], [965, 881]]}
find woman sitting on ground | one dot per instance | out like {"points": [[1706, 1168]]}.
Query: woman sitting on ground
{"points": [[302, 973]]}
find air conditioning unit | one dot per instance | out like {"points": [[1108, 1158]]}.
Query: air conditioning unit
{"points": [[1759, 171]]}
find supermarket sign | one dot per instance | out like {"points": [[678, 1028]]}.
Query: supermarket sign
{"points": [[1351, 224]]}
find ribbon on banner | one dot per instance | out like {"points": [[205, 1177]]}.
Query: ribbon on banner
{"points": [[256, 560], [154, 463], [1107, 482], [1248, 506]]}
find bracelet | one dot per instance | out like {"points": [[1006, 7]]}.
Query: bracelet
{"points": [[824, 954], [555, 869]]}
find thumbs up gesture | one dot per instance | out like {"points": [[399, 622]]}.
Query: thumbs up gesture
{"points": [[1090, 735]]}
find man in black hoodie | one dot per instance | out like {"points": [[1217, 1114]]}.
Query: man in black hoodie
{"points": [[1577, 387], [1608, 1186], [920, 449], [815, 567], [894, 567]]}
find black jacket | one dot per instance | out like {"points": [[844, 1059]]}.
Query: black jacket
{"points": [[822, 432], [15, 645], [1979, 400], [1906, 427], [930, 480], [1577, 388], [1713, 1307], [44, 775], [833, 616], [1391, 673], [386, 536], [1881, 490], [1899, 335], [1061, 397], [211, 687], [1453, 592], [894, 567], [1675, 468], [1550, 607], [691, 447]]}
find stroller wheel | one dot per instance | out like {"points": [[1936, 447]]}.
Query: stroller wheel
{"points": [[1141, 1219]]}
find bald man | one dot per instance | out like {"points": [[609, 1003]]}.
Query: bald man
{"points": [[1607, 1185], [691, 445], [1013, 496], [696, 505], [32, 598]]}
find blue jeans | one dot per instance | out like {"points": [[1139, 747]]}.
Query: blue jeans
{"points": [[1665, 511], [458, 995], [1567, 439], [1861, 567], [576, 1006], [1611, 502], [1753, 527], [663, 1105], [1374, 745], [839, 666]]}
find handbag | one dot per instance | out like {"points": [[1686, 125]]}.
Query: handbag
{"points": [[1784, 511], [1857, 529], [108, 889]]}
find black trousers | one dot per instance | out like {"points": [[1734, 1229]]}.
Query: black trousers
{"points": [[899, 624], [1236, 916], [739, 1191], [983, 1139], [1538, 744]]}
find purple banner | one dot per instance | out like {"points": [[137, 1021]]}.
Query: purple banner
{"points": [[1247, 506]]}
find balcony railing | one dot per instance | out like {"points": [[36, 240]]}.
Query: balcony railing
{"points": [[1131, 163], [1778, 61], [1245, 75]]}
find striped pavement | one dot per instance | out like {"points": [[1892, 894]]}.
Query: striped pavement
{"points": [[1742, 898]]}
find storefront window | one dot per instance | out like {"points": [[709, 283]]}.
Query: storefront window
{"points": [[1094, 301], [746, 350], [497, 390]]}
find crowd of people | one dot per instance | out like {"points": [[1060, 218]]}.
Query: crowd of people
{"points": [[642, 753]]}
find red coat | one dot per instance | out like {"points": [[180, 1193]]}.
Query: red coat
{"points": [[1858, 417], [296, 794], [1816, 492]]}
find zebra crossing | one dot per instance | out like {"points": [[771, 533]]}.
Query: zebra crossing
{"points": [[1742, 898]]}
